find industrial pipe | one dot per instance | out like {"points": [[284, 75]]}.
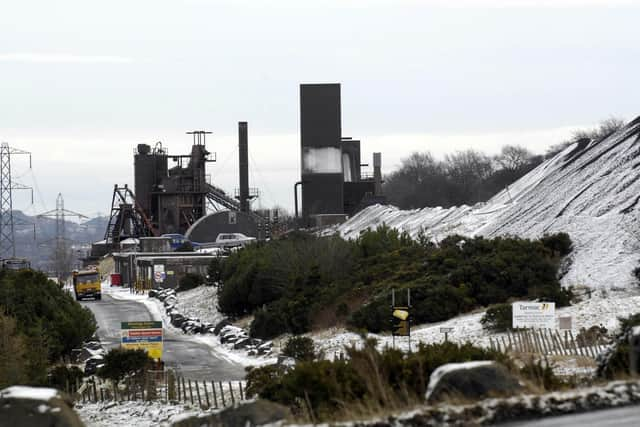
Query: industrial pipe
{"points": [[295, 196]]}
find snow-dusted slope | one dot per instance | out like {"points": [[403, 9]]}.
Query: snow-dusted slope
{"points": [[590, 191]]}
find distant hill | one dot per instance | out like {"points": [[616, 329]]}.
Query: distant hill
{"points": [[590, 190], [39, 248]]}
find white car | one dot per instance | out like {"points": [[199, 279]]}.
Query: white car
{"points": [[232, 240]]}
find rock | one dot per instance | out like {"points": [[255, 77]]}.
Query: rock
{"points": [[266, 345], [220, 325], [471, 380], [229, 338], [263, 350], [252, 352], [256, 413], [177, 320], [152, 293], [38, 407], [241, 343]]}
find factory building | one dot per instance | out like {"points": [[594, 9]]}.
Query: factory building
{"points": [[333, 185]]}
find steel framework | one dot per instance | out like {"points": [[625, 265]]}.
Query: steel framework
{"points": [[59, 213], [127, 219], [7, 185]]}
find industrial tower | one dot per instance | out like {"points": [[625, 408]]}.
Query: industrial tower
{"points": [[7, 185]]}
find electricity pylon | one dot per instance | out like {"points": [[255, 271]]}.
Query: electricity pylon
{"points": [[7, 185], [61, 257]]}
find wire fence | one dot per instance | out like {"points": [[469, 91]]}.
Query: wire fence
{"points": [[163, 386]]}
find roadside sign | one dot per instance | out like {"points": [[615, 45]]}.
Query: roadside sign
{"points": [[446, 330], [147, 335], [158, 273], [540, 315]]}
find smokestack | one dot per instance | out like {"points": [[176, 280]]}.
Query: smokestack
{"points": [[243, 149], [377, 174]]}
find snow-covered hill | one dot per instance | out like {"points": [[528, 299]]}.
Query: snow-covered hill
{"points": [[589, 190]]}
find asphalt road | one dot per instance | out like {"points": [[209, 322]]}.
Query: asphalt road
{"points": [[190, 359], [620, 417]]}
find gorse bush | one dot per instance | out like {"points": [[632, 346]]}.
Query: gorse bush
{"points": [[190, 281], [120, 363], [498, 318], [615, 361], [300, 348], [39, 324], [294, 284]]}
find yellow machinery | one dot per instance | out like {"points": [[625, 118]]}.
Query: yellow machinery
{"points": [[86, 284]]}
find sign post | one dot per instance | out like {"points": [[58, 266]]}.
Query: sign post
{"points": [[145, 335], [400, 319], [446, 331]]}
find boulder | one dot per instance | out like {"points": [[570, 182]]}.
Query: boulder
{"points": [[229, 338], [471, 380], [177, 320], [220, 325], [37, 407], [241, 343], [255, 413], [152, 293]]}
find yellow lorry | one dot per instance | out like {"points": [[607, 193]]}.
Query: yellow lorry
{"points": [[86, 284]]}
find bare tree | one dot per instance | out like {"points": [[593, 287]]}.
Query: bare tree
{"points": [[514, 157], [603, 130]]}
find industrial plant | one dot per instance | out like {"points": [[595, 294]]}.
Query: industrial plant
{"points": [[174, 200], [172, 195]]}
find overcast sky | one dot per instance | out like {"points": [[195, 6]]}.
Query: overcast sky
{"points": [[83, 82]]}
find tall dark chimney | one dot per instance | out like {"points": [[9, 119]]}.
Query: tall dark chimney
{"points": [[243, 149], [377, 174]]}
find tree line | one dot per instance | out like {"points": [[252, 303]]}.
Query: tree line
{"points": [[470, 176]]}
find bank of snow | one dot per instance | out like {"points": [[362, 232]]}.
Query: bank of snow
{"points": [[139, 414], [590, 191], [201, 303]]}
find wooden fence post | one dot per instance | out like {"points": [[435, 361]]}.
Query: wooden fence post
{"points": [[233, 400], [206, 394], [241, 391], [505, 349], [198, 393], [190, 392], [215, 398], [184, 390], [222, 394]]}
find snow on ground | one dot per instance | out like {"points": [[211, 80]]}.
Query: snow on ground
{"points": [[603, 307], [139, 414], [590, 192], [201, 303]]}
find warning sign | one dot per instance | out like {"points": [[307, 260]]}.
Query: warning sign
{"points": [[159, 274], [146, 335], [400, 322], [539, 315]]}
